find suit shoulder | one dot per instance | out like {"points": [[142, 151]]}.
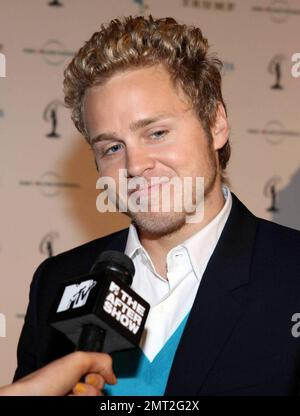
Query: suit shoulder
{"points": [[278, 248], [113, 239], [79, 260], [279, 233]]}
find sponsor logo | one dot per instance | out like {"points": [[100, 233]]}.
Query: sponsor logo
{"points": [[123, 308], [76, 296], [53, 52], [275, 68], [278, 10], [274, 132], [49, 184], [51, 115], [271, 192], [46, 244], [226, 6]]}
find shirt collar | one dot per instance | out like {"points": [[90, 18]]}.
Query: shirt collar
{"points": [[199, 246], [134, 248], [133, 245]]}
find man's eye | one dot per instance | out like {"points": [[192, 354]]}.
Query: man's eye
{"points": [[113, 149], [158, 134]]}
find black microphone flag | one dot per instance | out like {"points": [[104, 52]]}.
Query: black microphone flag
{"points": [[99, 311]]}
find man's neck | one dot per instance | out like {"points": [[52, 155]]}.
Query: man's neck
{"points": [[159, 247]]}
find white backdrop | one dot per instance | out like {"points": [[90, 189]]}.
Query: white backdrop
{"points": [[47, 184]]}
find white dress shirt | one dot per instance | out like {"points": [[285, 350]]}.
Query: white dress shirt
{"points": [[172, 299]]}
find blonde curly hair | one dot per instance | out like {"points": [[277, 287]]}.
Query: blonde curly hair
{"points": [[142, 41]]}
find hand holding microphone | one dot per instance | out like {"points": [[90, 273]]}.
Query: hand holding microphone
{"points": [[60, 377], [99, 311]]}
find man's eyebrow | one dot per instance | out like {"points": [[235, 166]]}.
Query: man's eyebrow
{"points": [[144, 122], [104, 136], [134, 126]]}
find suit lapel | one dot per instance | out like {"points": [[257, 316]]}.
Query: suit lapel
{"points": [[216, 309], [118, 242]]}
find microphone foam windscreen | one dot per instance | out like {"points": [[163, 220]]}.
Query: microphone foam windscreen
{"points": [[116, 258]]}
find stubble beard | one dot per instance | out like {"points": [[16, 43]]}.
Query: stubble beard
{"points": [[159, 224]]}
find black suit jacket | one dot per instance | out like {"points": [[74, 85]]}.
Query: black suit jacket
{"points": [[238, 338]]}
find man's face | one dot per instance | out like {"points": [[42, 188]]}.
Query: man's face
{"points": [[149, 128]]}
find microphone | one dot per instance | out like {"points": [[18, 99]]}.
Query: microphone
{"points": [[99, 311]]}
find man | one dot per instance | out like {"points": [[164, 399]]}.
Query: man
{"points": [[223, 286]]}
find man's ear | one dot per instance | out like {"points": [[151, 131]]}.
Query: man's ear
{"points": [[220, 129]]}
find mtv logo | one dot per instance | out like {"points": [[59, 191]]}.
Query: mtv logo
{"points": [[75, 296], [2, 66]]}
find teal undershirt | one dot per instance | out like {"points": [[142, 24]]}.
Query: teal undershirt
{"points": [[137, 376]]}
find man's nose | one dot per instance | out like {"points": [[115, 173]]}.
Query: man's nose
{"points": [[138, 160]]}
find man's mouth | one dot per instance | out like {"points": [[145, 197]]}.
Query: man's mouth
{"points": [[152, 187]]}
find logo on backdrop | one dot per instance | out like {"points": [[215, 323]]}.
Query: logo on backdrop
{"points": [[53, 52], [278, 10], [49, 184], [55, 3], [274, 132], [50, 115], [76, 296], [46, 244], [271, 191], [275, 68], [215, 5]]}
